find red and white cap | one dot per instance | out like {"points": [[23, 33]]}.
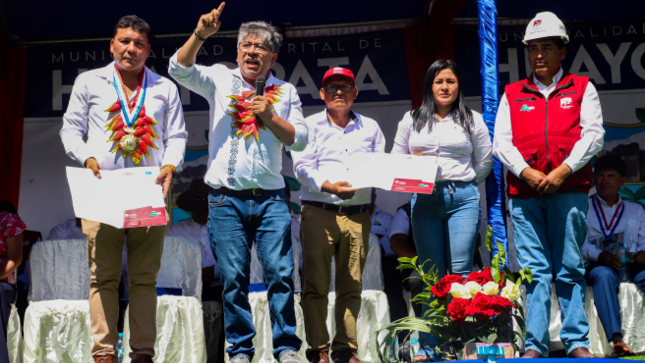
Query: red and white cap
{"points": [[338, 71]]}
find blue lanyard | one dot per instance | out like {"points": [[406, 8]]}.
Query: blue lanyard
{"points": [[601, 217], [124, 106]]}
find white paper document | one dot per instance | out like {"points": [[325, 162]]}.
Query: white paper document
{"points": [[122, 198], [396, 172]]}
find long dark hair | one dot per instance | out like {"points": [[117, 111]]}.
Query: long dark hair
{"points": [[461, 114]]}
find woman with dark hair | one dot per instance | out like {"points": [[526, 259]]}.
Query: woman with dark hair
{"points": [[11, 228], [445, 223]]}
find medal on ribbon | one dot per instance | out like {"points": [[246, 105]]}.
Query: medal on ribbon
{"points": [[131, 127], [246, 122], [607, 228]]}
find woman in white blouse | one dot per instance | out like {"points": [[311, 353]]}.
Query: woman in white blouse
{"points": [[445, 223]]}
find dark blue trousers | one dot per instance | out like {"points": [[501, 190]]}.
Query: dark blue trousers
{"points": [[605, 283]]}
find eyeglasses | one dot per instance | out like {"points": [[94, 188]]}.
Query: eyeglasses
{"points": [[333, 88], [259, 48]]}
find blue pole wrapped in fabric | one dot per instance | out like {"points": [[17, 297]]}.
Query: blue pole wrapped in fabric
{"points": [[495, 200]]}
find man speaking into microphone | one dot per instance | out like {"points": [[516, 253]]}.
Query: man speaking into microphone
{"points": [[252, 114]]}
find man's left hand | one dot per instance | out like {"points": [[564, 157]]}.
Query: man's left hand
{"points": [[640, 258], [164, 178], [554, 179], [262, 108]]}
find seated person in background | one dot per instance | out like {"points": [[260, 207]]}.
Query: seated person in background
{"points": [[195, 201], [70, 229], [11, 234], [402, 244], [608, 217]]}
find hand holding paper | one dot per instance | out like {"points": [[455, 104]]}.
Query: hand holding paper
{"points": [[121, 198], [397, 172]]}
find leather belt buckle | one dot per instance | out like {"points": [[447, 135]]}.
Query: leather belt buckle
{"points": [[253, 192]]}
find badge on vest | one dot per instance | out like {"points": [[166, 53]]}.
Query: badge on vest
{"points": [[565, 103], [527, 108]]}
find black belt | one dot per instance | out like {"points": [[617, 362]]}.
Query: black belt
{"points": [[340, 209], [245, 192]]}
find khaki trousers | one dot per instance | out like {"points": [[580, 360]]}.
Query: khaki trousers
{"points": [[325, 234], [104, 252]]}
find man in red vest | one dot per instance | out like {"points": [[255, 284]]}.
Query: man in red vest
{"points": [[548, 127]]}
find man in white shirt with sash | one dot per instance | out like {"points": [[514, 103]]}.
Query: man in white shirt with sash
{"points": [[250, 122], [335, 219], [131, 117], [612, 221]]}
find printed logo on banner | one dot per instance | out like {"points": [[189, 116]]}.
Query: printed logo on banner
{"points": [[527, 108], [566, 103]]}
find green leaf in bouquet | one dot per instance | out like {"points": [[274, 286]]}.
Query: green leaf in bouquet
{"points": [[520, 322], [529, 274], [502, 253], [405, 266], [492, 338], [494, 268], [405, 259], [414, 260], [489, 238], [509, 274]]}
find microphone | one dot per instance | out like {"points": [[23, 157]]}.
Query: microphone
{"points": [[260, 83]]}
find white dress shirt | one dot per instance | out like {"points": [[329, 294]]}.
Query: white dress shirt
{"points": [[236, 162], [632, 223], [329, 147], [188, 227], [381, 221], [93, 93], [66, 230], [463, 156], [591, 135], [400, 223]]}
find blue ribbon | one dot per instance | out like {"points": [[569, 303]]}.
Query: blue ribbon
{"points": [[124, 106], [495, 199]]}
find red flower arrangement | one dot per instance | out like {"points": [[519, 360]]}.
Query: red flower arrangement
{"points": [[479, 307]]}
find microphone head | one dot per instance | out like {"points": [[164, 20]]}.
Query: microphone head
{"points": [[260, 83]]}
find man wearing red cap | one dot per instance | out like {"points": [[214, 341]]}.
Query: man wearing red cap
{"points": [[335, 219]]}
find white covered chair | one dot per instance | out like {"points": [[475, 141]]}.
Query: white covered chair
{"points": [[180, 324], [632, 314], [57, 321]]}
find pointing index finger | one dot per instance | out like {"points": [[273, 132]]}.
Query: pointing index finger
{"points": [[220, 8]]}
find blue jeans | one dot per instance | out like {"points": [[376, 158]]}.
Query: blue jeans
{"points": [[549, 232], [445, 226], [234, 223], [605, 283]]}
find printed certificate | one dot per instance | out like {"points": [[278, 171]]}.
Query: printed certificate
{"points": [[396, 172], [123, 198]]}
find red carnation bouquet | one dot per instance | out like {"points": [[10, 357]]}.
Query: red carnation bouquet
{"points": [[481, 307]]}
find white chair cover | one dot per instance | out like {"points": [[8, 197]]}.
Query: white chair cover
{"points": [[14, 336], [374, 314], [372, 273], [59, 270], [180, 331], [57, 331], [632, 316], [181, 266], [213, 317]]}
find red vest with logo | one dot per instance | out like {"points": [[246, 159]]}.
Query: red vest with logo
{"points": [[546, 129]]}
